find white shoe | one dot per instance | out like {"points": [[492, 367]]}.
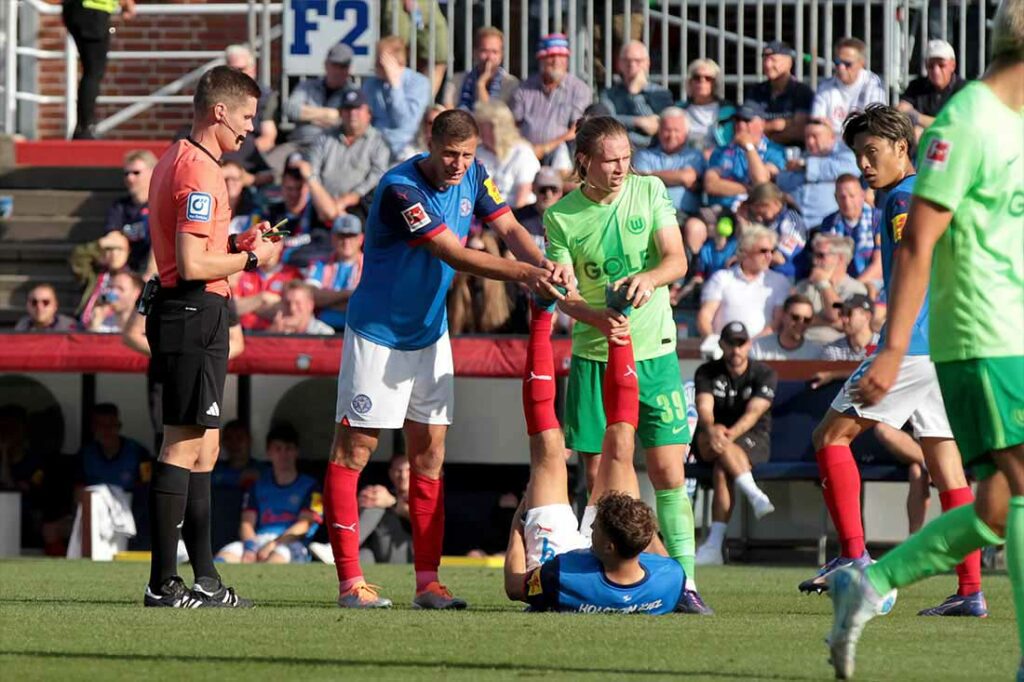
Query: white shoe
{"points": [[322, 551], [762, 507], [854, 603], [708, 555]]}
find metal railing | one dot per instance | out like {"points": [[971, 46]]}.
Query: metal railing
{"points": [[732, 32], [259, 32]]}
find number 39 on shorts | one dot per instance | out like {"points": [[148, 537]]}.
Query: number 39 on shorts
{"points": [[673, 407]]}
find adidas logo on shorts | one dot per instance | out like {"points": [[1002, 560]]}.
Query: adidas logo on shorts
{"points": [[213, 410]]}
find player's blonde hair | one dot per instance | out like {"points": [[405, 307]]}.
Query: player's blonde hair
{"points": [[1008, 31], [499, 116], [589, 133]]}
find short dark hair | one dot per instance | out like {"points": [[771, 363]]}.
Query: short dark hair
{"points": [[796, 299], [283, 433], [106, 410], [879, 120], [454, 125], [629, 523], [223, 84], [293, 173]]}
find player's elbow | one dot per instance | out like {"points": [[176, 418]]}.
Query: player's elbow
{"points": [[188, 269], [514, 588]]}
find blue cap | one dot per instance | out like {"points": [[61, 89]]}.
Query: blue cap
{"points": [[352, 99], [749, 111], [346, 223]]}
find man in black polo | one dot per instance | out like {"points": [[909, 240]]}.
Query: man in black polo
{"points": [[786, 101], [734, 396], [926, 95]]}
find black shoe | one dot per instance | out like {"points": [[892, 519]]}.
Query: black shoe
{"points": [[173, 594], [213, 593]]}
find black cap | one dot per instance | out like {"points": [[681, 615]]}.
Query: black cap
{"points": [[352, 99], [856, 301], [340, 53], [779, 47], [749, 111], [735, 334]]}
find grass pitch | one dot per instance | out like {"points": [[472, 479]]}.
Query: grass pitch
{"points": [[83, 620]]}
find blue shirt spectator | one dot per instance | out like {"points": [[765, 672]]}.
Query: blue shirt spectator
{"points": [[750, 159], [335, 278], [398, 96], [855, 219], [811, 180], [767, 205], [680, 167], [111, 459], [716, 254], [634, 100]]}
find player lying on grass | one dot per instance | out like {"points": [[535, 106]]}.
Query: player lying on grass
{"points": [[552, 564]]}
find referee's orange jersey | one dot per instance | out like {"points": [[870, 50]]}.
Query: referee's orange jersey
{"points": [[187, 194]]}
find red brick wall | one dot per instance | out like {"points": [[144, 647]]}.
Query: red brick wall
{"points": [[141, 77]]}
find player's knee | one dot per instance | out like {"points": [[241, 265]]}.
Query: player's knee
{"points": [[665, 475], [619, 440], [350, 452], [429, 460]]}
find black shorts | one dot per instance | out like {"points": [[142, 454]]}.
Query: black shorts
{"points": [[188, 338], [757, 445]]}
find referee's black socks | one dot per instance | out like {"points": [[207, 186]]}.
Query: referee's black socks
{"points": [[196, 529], [168, 493]]}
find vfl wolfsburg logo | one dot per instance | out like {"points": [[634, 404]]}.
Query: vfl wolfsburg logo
{"points": [[635, 224]]}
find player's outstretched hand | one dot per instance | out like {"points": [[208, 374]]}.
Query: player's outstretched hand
{"points": [[613, 324], [639, 288], [561, 273], [878, 379], [540, 282]]}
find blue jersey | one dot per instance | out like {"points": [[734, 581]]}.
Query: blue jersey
{"points": [[731, 163], [129, 468], [279, 506], [575, 582], [334, 275], [711, 260], [400, 300], [895, 203], [864, 234]]}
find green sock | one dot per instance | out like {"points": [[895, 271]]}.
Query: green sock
{"points": [[936, 548], [675, 516], [1015, 559]]}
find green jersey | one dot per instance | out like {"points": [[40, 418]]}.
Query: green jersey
{"points": [[972, 163], [606, 242]]}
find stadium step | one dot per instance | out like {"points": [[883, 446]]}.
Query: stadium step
{"points": [[51, 228], [57, 178], [48, 202], [79, 153]]}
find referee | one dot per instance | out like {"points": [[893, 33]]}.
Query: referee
{"points": [[187, 329]]}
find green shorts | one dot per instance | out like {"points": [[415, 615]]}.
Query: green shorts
{"points": [[662, 404], [985, 405]]}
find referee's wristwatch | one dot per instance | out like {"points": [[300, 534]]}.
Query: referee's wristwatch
{"points": [[251, 262]]}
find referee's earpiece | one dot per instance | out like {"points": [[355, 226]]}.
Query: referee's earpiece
{"points": [[239, 138]]}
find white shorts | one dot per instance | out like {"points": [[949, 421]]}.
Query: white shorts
{"points": [[915, 396], [549, 531], [238, 547], [380, 387]]}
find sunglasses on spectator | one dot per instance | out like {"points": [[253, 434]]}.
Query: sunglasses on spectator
{"points": [[40, 302], [800, 318], [132, 172], [763, 252], [822, 254], [702, 77], [547, 190], [843, 62]]}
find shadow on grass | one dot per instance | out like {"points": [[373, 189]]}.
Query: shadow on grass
{"points": [[482, 666], [268, 603]]}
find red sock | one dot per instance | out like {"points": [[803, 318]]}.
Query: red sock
{"points": [[426, 515], [840, 482], [341, 514], [539, 378], [968, 571], [621, 386]]}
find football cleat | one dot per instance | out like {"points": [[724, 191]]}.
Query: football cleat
{"points": [[854, 603], [437, 596], [173, 594], [955, 605], [214, 593], [362, 595], [819, 583], [692, 603], [709, 555]]}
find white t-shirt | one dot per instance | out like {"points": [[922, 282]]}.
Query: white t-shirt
{"points": [[841, 350], [702, 120], [769, 348], [752, 302], [835, 100], [519, 167]]}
